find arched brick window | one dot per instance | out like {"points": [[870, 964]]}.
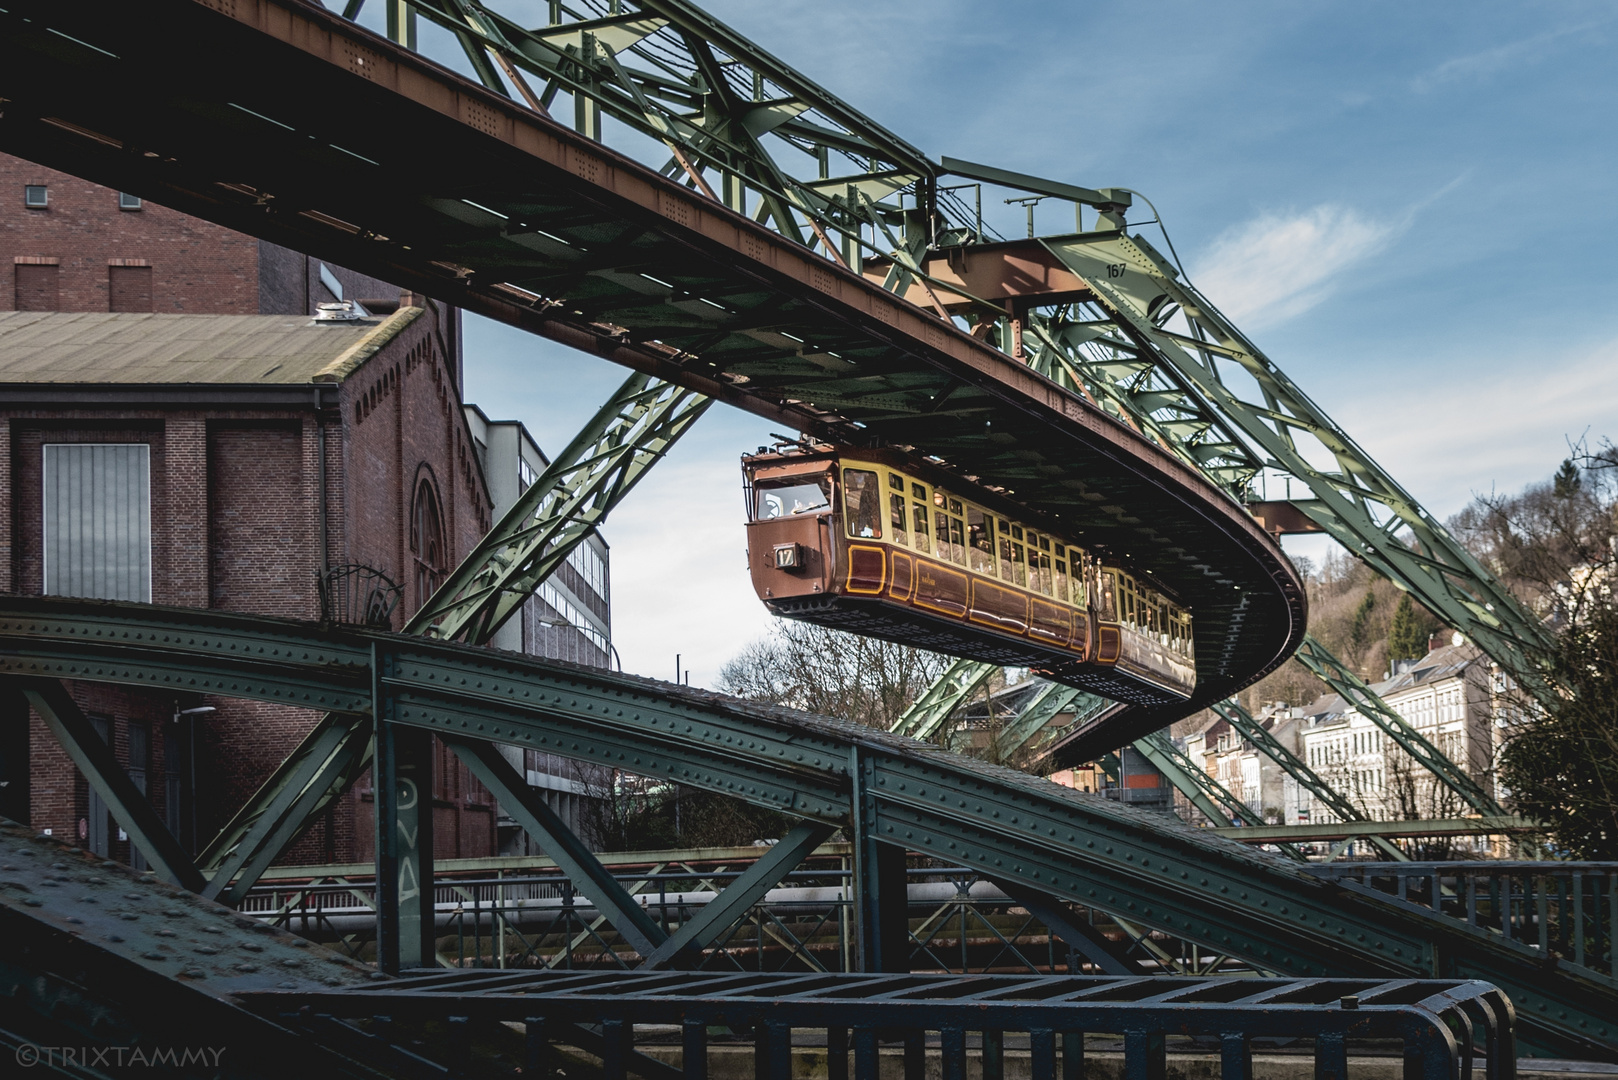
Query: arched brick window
{"points": [[427, 539]]}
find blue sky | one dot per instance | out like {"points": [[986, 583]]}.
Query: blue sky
{"points": [[1410, 207]]}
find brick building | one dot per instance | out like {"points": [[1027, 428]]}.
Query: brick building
{"points": [[185, 376], [226, 461]]}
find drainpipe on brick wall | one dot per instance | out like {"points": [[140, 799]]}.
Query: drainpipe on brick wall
{"points": [[320, 483]]}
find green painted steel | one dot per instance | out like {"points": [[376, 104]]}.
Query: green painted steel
{"points": [[568, 501], [1337, 675], [1049, 702], [928, 713], [1355, 501], [514, 216], [1204, 791], [1139, 866]]}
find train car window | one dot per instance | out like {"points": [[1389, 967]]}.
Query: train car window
{"points": [[1079, 584], [1107, 600], [918, 523], [896, 482], [896, 516], [980, 538], [1019, 568], [938, 497], [955, 508], [862, 503], [1061, 574], [788, 499], [1016, 532], [1043, 579], [957, 539], [918, 492], [1005, 554]]}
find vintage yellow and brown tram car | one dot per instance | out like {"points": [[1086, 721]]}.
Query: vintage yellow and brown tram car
{"points": [[878, 543]]}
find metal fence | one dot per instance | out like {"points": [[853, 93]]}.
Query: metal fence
{"points": [[1435, 1024], [1566, 910], [959, 922]]}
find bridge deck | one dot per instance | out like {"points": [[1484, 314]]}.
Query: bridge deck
{"points": [[1013, 827]]}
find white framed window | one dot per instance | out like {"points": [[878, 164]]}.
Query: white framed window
{"points": [[36, 196], [97, 518], [126, 201]]}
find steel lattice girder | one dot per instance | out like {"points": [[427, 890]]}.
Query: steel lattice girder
{"points": [[1355, 502], [1267, 744], [516, 217], [1010, 826], [568, 501], [939, 701]]}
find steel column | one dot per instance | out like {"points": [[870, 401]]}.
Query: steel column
{"points": [[402, 782], [883, 901]]}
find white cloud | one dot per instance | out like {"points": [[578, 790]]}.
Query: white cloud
{"points": [[1489, 62], [1277, 266], [1447, 436]]}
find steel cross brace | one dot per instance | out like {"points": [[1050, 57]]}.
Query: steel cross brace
{"points": [[1359, 504], [570, 499], [1335, 674], [1051, 701], [129, 806], [929, 712]]}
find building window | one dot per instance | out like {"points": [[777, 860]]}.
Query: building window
{"points": [[97, 521], [36, 286], [427, 540], [129, 288], [126, 201], [35, 196]]}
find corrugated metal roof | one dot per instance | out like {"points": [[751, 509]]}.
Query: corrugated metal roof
{"points": [[96, 347]]}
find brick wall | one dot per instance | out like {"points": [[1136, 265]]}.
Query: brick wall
{"points": [[195, 267], [235, 525]]}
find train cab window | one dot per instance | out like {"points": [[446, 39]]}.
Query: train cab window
{"points": [[787, 499], [1005, 549], [980, 540], [918, 525], [918, 492], [896, 482], [1060, 564], [862, 503], [896, 516], [1019, 565], [1107, 600]]}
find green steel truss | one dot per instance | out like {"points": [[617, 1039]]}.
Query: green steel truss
{"points": [[1268, 745], [1159, 320], [571, 498], [948, 692], [1049, 702], [1206, 793], [1271, 747], [567, 502], [1146, 868]]}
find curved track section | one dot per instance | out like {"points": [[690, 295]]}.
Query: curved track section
{"points": [[1018, 829], [294, 125]]}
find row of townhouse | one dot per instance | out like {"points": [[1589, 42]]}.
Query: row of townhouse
{"points": [[1448, 696]]}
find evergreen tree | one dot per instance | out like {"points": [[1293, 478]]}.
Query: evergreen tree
{"points": [[1359, 635], [1566, 482], [1407, 637]]}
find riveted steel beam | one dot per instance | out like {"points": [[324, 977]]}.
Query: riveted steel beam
{"points": [[568, 501], [1145, 868]]}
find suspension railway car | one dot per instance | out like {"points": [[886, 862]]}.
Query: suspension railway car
{"points": [[881, 544]]}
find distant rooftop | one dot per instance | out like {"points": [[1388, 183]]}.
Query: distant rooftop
{"points": [[80, 348]]}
